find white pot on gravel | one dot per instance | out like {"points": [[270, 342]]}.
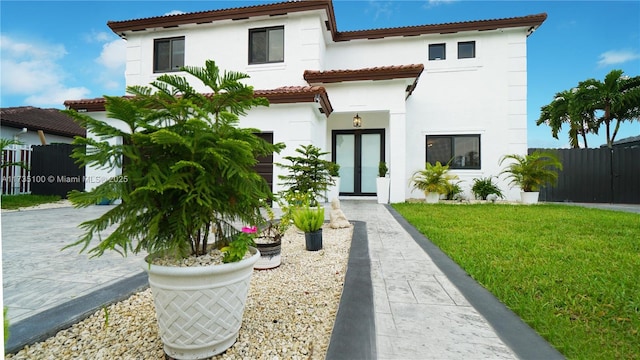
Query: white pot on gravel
{"points": [[199, 309]]}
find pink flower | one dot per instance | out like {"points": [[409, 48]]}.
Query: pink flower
{"points": [[250, 230]]}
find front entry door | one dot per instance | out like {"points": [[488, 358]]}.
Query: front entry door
{"points": [[358, 152]]}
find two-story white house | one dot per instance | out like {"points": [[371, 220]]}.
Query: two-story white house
{"points": [[445, 92]]}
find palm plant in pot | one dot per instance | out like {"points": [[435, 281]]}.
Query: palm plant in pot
{"points": [[310, 220], [188, 173], [532, 171], [433, 180]]}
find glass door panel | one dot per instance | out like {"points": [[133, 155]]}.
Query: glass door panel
{"points": [[345, 156], [370, 158]]}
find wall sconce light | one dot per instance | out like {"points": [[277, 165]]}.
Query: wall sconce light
{"points": [[357, 121]]}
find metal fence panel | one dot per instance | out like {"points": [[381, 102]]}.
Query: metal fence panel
{"points": [[54, 172], [596, 175]]}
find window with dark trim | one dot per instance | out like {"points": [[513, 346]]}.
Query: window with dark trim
{"points": [[168, 54], [266, 45], [437, 51], [459, 151], [466, 49]]}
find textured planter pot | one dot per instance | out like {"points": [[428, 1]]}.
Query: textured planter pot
{"points": [[529, 197], [313, 240], [199, 309], [382, 190], [270, 255], [334, 191], [432, 197]]}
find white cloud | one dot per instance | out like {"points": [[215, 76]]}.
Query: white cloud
{"points": [[614, 57], [113, 55], [98, 36], [380, 8], [32, 69]]}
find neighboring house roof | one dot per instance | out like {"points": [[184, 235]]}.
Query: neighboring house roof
{"points": [[282, 95], [631, 141], [51, 121], [532, 22]]}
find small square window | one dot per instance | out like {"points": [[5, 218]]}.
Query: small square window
{"points": [[266, 45], [437, 51], [168, 54], [466, 50]]}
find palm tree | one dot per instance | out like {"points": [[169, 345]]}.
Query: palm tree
{"points": [[563, 110], [530, 172], [616, 99]]}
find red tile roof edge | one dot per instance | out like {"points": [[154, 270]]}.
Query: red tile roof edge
{"points": [[375, 73], [51, 121], [282, 95], [281, 8]]}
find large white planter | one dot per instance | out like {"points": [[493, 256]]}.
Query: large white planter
{"points": [[432, 197], [382, 189], [333, 192], [199, 309], [529, 197]]}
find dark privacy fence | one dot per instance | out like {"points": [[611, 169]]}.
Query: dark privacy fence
{"points": [[596, 175], [53, 172]]}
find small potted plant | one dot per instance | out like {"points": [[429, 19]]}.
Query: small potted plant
{"points": [[309, 220], [433, 180], [530, 172], [483, 187], [269, 237], [382, 183], [188, 175]]}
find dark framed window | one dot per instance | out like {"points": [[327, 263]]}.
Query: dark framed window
{"points": [[437, 51], [459, 151], [266, 45], [466, 50], [168, 54]]}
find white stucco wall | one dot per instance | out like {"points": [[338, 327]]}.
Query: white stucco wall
{"points": [[31, 137]]}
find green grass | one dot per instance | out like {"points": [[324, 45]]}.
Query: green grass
{"points": [[18, 201], [571, 273]]}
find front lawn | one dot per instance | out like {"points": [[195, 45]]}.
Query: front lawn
{"points": [[571, 273], [26, 200]]}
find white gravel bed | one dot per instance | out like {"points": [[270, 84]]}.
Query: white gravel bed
{"points": [[289, 314]]}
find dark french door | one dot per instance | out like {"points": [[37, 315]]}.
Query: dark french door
{"points": [[358, 152]]}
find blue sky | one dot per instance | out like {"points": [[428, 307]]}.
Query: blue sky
{"points": [[52, 51]]}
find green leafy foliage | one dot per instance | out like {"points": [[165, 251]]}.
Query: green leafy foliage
{"points": [[189, 166], [26, 200], [7, 324], [237, 248], [6, 143], [308, 173], [433, 178], [309, 219], [382, 169], [482, 187], [532, 171]]}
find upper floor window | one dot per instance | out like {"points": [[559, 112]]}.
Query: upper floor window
{"points": [[266, 45], [168, 54], [437, 51], [459, 151], [466, 50]]}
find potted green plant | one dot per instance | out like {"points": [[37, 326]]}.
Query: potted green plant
{"points": [[530, 172], [187, 175], [382, 183], [310, 220], [333, 191], [307, 172], [269, 236], [433, 180], [483, 187]]}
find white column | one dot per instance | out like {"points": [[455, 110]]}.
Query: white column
{"points": [[397, 161]]}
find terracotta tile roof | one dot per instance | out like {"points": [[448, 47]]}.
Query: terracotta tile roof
{"points": [[531, 22], [51, 121], [375, 73], [282, 95]]}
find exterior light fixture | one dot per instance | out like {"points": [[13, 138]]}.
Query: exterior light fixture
{"points": [[357, 121]]}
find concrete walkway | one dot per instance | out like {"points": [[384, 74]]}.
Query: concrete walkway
{"points": [[422, 306]]}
